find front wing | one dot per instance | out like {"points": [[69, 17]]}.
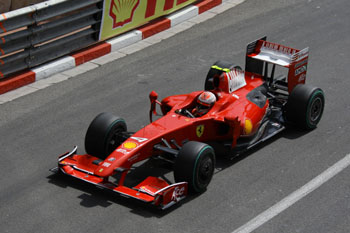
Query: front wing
{"points": [[152, 190]]}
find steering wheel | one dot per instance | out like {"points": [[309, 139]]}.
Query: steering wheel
{"points": [[188, 113]]}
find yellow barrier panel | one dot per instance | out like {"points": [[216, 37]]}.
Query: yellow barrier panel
{"points": [[123, 15]]}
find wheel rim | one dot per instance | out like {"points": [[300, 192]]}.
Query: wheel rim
{"points": [[205, 172], [114, 140], [316, 109]]}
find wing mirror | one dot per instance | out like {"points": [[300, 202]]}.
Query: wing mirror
{"points": [[153, 98]]}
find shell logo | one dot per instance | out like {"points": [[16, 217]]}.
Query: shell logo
{"points": [[122, 11], [129, 145]]}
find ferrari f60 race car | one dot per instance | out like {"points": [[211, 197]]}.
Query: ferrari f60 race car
{"points": [[251, 106]]}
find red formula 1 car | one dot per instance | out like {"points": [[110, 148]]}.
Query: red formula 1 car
{"points": [[236, 110]]}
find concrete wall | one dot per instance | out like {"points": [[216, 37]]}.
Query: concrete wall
{"points": [[10, 5]]}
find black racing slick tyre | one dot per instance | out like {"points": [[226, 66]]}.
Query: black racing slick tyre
{"points": [[104, 135], [305, 106], [209, 81], [195, 164]]}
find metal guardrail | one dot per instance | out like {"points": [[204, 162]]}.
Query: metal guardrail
{"points": [[36, 34]]}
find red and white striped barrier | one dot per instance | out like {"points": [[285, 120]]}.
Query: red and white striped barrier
{"points": [[112, 45]]}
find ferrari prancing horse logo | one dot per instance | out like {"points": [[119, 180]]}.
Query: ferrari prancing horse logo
{"points": [[200, 130]]}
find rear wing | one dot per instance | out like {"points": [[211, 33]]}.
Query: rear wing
{"points": [[262, 51]]}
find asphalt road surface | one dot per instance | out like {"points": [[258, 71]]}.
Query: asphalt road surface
{"points": [[36, 128]]}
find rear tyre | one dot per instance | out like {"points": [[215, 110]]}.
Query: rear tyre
{"points": [[209, 81], [195, 164], [104, 135], [305, 106]]}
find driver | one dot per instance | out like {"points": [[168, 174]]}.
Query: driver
{"points": [[204, 103]]}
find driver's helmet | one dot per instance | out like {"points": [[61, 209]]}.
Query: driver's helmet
{"points": [[204, 102]]}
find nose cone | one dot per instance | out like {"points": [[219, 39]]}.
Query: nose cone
{"points": [[122, 157]]}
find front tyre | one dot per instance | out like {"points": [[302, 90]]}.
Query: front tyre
{"points": [[195, 165], [104, 135], [305, 106]]}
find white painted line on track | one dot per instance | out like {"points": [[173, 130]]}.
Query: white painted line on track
{"points": [[294, 197]]}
